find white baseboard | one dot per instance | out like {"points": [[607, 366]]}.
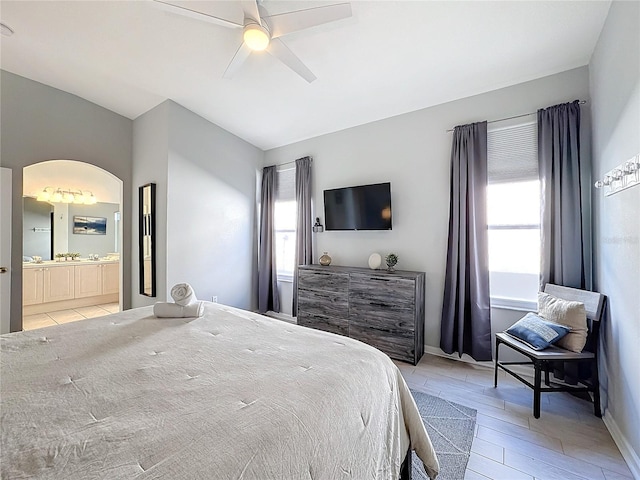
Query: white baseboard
{"points": [[454, 356], [629, 455], [519, 369]]}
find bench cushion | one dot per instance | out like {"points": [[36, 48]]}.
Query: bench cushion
{"points": [[553, 353]]}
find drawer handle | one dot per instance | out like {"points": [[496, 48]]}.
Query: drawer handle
{"points": [[379, 304], [380, 279]]}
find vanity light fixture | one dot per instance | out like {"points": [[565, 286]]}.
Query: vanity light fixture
{"points": [[56, 196], [67, 197], [624, 176], [44, 195], [59, 195], [6, 30]]}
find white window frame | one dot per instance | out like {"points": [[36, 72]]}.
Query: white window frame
{"points": [[507, 303], [284, 276], [280, 275]]}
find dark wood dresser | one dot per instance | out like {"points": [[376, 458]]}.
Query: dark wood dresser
{"points": [[383, 309]]}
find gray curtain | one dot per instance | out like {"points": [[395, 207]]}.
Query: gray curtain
{"points": [[563, 251], [466, 314], [304, 254], [267, 279], [561, 229]]}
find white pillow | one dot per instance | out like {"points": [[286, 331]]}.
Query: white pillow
{"points": [[570, 314]]}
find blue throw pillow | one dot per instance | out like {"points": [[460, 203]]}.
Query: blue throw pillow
{"points": [[537, 332]]}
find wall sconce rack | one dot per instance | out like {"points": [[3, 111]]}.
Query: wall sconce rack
{"points": [[625, 175]]}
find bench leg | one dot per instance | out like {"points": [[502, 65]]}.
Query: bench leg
{"points": [[495, 365], [536, 389], [546, 374], [596, 389]]}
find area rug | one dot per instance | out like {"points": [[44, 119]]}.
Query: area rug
{"points": [[450, 427]]}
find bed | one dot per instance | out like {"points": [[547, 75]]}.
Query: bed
{"points": [[230, 395]]}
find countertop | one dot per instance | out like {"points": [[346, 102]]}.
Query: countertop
{"points": [[54, 263]]}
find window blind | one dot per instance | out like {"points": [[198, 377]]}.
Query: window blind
{"points": [[286, 185], [512, 154]]}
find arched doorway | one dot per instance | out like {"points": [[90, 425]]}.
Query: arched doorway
{"points": [[72, 241]]}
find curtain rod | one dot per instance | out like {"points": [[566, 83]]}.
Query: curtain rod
{"points": [[288, 163], [581, 102]]}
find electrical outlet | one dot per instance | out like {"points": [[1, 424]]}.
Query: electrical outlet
{"points": [[214, 299]]}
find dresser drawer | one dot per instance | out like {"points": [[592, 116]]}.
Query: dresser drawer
{"points": [[383, 288], [386, 316], [383, 309], [320, 302], [324, 322], [328, 281], [399, 346]]}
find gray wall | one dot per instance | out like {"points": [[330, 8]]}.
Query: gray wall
{"points": [[412, 151], [207, 231], [150, 165], [212, 213], [615, 91], [97, 244], [42, 123], [36, 215]]}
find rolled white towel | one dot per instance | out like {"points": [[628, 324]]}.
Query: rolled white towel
{"points": [[173, 310], [183, 294]]}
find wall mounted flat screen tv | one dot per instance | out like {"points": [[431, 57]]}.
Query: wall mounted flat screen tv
{"points": [[365, 207]]}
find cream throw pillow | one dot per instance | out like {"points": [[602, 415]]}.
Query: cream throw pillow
{"points": [[570, 314]]}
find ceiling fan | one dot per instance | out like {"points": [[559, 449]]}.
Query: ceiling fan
{"points": [[262, 32]]}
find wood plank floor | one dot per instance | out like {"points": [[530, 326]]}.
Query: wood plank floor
{"points": [[567, 442]]}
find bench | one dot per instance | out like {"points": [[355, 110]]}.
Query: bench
{"points": [[543, 359]]}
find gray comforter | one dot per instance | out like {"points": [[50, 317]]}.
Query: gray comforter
{"points": [[231, 395]]}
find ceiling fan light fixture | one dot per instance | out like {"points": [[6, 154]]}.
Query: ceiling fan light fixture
{"points": [[256, 37]]}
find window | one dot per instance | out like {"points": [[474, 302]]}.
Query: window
{"points": [[513, 216], [285, 218]]}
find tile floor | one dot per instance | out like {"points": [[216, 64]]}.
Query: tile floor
{"points": [[567, 442], [40, 320]]}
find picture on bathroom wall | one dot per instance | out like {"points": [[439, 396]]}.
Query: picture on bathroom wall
{"points": [[89, 225]]}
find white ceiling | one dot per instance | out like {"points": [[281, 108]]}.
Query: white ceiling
{"points": [[391, 57]]}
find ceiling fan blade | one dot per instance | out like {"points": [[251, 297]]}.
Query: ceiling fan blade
{"points": [[237, 60], [278, 49], [285, 23], [205, 17], [250, 8]]}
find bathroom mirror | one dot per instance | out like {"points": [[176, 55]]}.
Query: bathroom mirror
{"points": [[147, 232]]}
